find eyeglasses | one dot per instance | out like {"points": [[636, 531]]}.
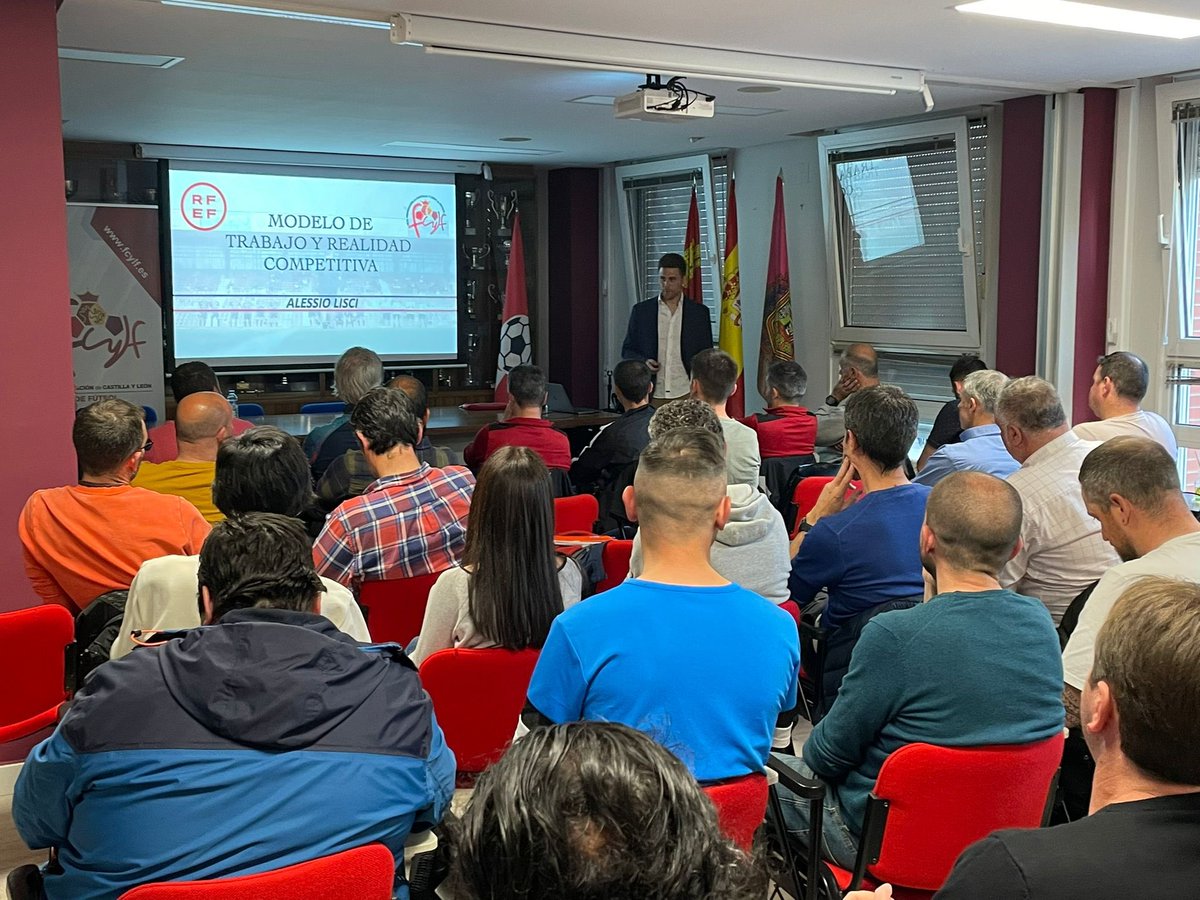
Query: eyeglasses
{"points": [[148, 446]]}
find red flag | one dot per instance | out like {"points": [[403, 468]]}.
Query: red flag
{"points": [[776, 342], [692, 285], [731, 307], [516, 347]]}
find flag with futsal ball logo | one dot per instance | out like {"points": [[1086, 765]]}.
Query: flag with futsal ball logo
{"points": [[516, 346]]}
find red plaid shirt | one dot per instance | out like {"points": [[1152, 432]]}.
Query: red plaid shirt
{"points": [[402, 526]]}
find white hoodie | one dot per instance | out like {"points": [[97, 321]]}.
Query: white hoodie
{"points": [[751, 550]]}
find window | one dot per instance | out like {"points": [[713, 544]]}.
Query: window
{"points": [[654, 218], [904, 212]]}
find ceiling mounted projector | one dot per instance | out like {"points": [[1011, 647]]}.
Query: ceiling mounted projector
{"points": [[655, 101]]}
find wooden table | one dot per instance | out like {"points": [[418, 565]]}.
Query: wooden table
{"points": [[444, 421]]}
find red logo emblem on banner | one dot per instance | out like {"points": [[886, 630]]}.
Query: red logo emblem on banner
{"points": [[203, 206], [428, 214]]}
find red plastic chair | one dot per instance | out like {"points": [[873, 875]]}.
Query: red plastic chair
{"points": [[806, 495], [615, 559], [577, 514], [396, 607], [33, 651], [477, 697], [364, 873], [741, 806], [930, 803]]}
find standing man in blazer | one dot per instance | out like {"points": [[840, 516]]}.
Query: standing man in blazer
{"points": [[667, 331]]}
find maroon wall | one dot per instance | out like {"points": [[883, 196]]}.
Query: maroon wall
{"points": [[35, 351], [574, 282], [1022, 150], [1095, 221]]}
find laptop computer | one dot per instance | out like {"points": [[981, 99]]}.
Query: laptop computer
{"points": [[557, 400]]}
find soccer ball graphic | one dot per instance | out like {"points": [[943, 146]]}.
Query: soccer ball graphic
{"points": [[515, 346]]}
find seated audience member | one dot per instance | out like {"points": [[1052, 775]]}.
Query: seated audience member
{"points": [[594, 811], [865, 553], [786, 428], [618, 443], [979, 448], [1062, 551], [358, 370], [1118, 386], [714, 379], [638, 653], [412, 519], [81, 541], [349, 474], [522, 425], [263, 470], [974, 665], [857, 369], [188, 378], [1139, 719], [266, 739], [1131, 487], [751, 550], [202, 421], [947, 429], [511, 583]]}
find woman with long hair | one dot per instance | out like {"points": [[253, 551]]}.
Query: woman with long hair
{"points": [[511, 583]]}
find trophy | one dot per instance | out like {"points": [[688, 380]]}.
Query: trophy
{"points": [[477, 255], [473, 360], [470, 293], [502, 209], [506, 246], [470, 200], [71, 186]]}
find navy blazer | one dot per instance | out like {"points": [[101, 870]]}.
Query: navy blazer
{"points": [[641, 337]]}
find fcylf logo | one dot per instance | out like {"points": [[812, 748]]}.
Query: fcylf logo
{"points": [[426, 214], [203, 206]]}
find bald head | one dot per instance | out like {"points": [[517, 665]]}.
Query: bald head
{"points": [[975, 520], [863, 359], [201, 417]]}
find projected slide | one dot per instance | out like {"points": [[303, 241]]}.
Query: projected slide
{"points": [[275, 268]]}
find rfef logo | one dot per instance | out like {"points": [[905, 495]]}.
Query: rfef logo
{"points": [[427, 215], [203, 206]]}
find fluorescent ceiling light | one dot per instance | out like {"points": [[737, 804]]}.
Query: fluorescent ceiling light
{"points": [[723, 109], [1088, 15], [321, 15], [149, 60], [454, 37]]}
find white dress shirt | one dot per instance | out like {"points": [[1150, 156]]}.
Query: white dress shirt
{"points": [[672, 379], [1062, 551], [1138, 424]]}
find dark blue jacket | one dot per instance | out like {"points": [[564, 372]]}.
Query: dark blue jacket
{"points": [[264, 741], [641, 337]]}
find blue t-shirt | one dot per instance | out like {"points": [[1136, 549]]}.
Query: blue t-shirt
{"points": [[705, 671], [865, 555], [963, 670]]}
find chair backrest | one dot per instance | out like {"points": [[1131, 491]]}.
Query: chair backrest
{"points": [[808, 491], [943, 799], [615, 559], [777, 471], [478, 696], [741, 805], [33, 663], [331, 406], [364, 873], [251, 409], [575, 514], [395, 608]]}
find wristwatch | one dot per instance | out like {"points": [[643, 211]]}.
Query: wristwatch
{"points": [[805, 526], [832, 400]]}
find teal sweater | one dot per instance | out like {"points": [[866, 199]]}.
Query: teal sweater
{"points": [[963, 670]]}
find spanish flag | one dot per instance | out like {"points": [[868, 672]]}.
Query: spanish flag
{"points": [[730, 339], [692, 285]]}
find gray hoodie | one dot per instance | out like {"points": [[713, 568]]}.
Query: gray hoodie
{"points": [[752, 548]]}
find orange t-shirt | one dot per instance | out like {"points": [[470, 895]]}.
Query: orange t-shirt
{"points": [[80, 542]]}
